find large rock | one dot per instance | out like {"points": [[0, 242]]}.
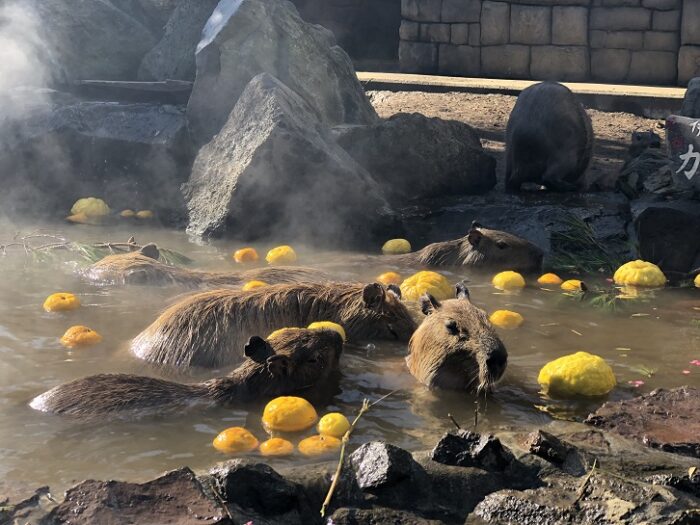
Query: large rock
{"points": [[87, 40], [691, 100], [412, 156], [132, 155], [275, 169], [173, 56], [683, 138], [244, 38]]}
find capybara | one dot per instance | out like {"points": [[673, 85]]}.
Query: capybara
{"points": [[291, 362], [142, 267], [549, 139], [204, 329], [492, 250], [456, 346]]}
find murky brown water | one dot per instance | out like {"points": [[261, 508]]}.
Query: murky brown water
{"points": [[36, 448]]}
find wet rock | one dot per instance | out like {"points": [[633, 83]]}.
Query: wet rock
{"points": [[132, 155], [415, 157], [175, 498], [379, 464], [691, 100], [173, 56], [469, 449], [25, 508], [88, 40], [249, 37], [663, 419], [562, 454], [378, 516], [274, 168], [686, 483]]}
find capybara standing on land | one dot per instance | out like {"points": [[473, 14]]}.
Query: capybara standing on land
{"points": [[456, 346], [549, 139], [204, 329], [293, 361], [492, 250], [142, 267]]}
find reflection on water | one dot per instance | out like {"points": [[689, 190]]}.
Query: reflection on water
{"points": [[651, 341]]}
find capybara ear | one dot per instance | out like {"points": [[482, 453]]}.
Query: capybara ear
{"points": [[475, 225], [474, 236], [279, 365], [428, 304], [150, 250], [461, 291], [373, 295], [257, 349], [392, 288]]}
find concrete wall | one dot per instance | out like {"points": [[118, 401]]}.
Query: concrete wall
{"points": [[621, 41]]}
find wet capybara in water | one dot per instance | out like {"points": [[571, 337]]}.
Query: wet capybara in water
{"points": [[291, 362], [456, 346], [492, 250], [549, 139], [142, 267], [204, 329]]}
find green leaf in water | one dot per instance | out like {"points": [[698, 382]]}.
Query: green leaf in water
{"points": [[645, 370]]}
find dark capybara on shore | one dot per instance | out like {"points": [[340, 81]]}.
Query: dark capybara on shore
{"points": [[549, 139], [456, 346], [492, 250], [142, 267], [204, 329], [291, 362]]}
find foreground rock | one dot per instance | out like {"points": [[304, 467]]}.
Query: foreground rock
{"points": [[415, 157], [173, 56], [683, 137], [249, 37], [663, 419], [274, 169], [691, 100], [133, 155]]}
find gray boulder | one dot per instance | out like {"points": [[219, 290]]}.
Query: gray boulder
{"points": [[249, 37], [89, 40], [275, 169], [173, 56], [412, 156], [691, 100]]}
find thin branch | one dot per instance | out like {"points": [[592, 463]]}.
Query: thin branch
{"points": [[582, 488]]}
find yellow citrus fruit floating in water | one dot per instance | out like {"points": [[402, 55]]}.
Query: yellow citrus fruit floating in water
{"points": [[333, 424], [80, 336], [127, 214], [246, 256], [276, 447], [281, 255], [388, 278], [423, 282], [396, 247], [289, 414], [508, 280], [281, 331], [319, 445], [506, 319], [574, 285], [90, 206], [579, 374], [639, 273], [144, 214], [81, 218], [61, 301], [252, 285], [234, 440], [328, 325], [550, 278], [697, 281]]}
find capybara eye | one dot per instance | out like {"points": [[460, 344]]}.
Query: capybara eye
{"points": [[502, 244], [451, 326]]}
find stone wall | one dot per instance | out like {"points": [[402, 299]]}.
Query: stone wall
{"points": [[621, 41]]}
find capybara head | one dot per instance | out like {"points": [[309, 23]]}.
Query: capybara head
{"points": [[140, 267], [499, 250], [456, 346]]}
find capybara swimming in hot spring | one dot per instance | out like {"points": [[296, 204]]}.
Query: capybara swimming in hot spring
{"points": [[456, 346], [204, 329], [142, 267], [492, 250], [549, 139], [291, 362]]}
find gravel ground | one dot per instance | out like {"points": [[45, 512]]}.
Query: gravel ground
{"points": [[489, 115]]}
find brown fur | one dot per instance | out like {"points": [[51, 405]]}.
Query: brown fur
{"points": [[493, 250], [294, 361], [203, 329], [142, 267], [456, 346]]}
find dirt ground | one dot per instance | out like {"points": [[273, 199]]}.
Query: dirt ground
{"points": [[488, 114]]}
